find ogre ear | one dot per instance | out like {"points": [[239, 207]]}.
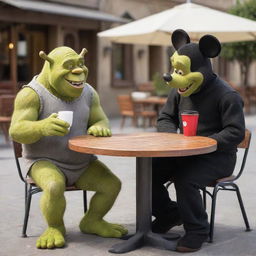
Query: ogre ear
{"points": [[179, 38], [44, 56], [209, 46], [83, 52]]}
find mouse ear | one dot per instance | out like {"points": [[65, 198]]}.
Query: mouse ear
{"points": [[209, 46], [179, 38]]}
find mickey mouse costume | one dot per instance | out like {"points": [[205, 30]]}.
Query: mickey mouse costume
{"points": [[195, 87]]}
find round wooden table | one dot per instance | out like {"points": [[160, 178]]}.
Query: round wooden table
{"points": [[143, 146]]}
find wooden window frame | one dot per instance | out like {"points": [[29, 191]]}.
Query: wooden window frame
{"points": [[128, 64]]}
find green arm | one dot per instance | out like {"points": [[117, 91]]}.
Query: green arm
{"points": [[98, 121], [25, 127]]}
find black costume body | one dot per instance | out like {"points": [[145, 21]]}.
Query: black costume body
{"points": [[220, 117]]}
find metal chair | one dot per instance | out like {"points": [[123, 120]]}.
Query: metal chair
{"points": [[31, 188], [227, 183]]}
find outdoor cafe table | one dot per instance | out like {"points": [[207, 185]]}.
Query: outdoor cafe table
{"points": [[152, 100], [156, 101], [143, 146]]}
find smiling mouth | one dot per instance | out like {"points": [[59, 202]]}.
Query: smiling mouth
{"points": [[183, 90], [76, 84]]}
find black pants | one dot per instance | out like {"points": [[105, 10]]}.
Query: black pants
{"points": [[188, 174]]}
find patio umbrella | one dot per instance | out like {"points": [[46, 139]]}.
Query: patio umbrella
{"points": [[195, 19]]}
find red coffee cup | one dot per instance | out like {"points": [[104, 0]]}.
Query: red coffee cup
{"points": [[189, 122]]}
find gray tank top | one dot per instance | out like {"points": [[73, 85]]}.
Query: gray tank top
{"points": [[55, 148]]}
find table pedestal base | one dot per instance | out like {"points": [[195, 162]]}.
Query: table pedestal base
{"points": [[140, 239], [144, 235]]}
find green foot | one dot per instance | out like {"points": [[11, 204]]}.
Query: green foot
{"points": [[102, 228], [51, 238]]}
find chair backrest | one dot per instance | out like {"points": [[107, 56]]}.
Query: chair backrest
{"points": [[17, 149], [245, 144], [246, 141], [146, 87], [125, 103], [6, 104]]}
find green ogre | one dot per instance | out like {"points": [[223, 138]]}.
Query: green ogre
{"points": [[63, 78]]}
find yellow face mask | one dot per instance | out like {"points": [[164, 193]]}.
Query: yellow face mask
{"points": [[182, 78]]}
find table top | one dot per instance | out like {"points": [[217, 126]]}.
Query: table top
{"points": [[152, 100], [147, 144]]}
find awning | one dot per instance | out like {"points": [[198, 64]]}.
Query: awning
{"points": [[64, 9]]}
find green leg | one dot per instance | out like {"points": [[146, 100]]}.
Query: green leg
{"points": [[107, 186], [52, 182]]}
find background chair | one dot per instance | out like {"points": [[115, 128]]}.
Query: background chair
{"points": [[227, 183], [129, 109], [31, 188], [6, 109]]}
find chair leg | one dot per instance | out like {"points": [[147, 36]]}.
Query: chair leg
{"points": [[122, 122], [27, 209], [239, 197], [26, 194], [135, 121], [5, 132], [150, 121], [204, 198], [214, 197], [153, 121], [85, 200], [144, 122]]}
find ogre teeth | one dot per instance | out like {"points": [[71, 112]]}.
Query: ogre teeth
{"points": [[76, 83]]}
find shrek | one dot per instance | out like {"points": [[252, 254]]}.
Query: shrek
{"points": [[61, 86]]}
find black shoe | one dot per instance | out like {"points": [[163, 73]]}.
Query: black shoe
{"points": [[164, 224], [191, 242]]}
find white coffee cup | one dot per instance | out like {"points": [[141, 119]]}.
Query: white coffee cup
{"points": [[66, 116]]}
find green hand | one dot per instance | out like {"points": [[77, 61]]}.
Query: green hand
{"points": [[53, 126], [99, 131]]}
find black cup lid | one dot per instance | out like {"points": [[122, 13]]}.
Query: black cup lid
{"points": [[189, 112]]}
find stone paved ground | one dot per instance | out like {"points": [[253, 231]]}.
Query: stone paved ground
{"points": [[230, 238]]}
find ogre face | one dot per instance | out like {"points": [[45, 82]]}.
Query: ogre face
{"points": [[182, 78], [68, 72], [65, 72]]}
